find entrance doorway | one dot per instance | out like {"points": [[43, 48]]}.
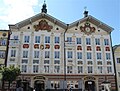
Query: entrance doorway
{"points": [[39, 85], [90, 85]]}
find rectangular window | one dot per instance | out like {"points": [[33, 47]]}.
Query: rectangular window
{"points": [[26, 39], [79, 55], [69, 39], [80, 69], [2, 54], [3, 42], [46, 68], [106, 42], [37, 39], [57, 39], [69, 69], [46, 62], [90, 69], [108, 57], [78, 40], [57, 54], [99, 56], [47, 39], [47, 54], [24, 68], [89, 55], [118, 60], [56, 61], [97, 41], [15, 37], [88, 41], [35, 68], [100, 69], [69, 54], [35, 61], [25, 54], [13, 53], [56, 69], [36, 54], [24, 61], [109, 69]]}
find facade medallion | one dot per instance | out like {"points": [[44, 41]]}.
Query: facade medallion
{"points": [[41, 47], [43, 25], [87, 29]]}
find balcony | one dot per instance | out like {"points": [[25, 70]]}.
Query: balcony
{"points": [[69, 44], [14, 42]]}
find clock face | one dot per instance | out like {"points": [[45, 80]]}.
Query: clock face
{"points": [[87, 29]]}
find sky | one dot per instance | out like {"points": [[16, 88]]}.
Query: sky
{"points": [[68, 11]]}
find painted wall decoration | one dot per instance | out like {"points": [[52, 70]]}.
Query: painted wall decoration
{"points": [[56, 46], [25, 45], [43, 25], [47, 46], [87, 29], [36, 46]]}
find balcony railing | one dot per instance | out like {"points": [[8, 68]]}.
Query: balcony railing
{"points": [[69, 44], [14, 42]]}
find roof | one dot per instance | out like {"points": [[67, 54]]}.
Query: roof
{"points": [[115, 47], [37, 17], [95, 21]]}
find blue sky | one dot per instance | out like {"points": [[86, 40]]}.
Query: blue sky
{"points": [[68, 11]]}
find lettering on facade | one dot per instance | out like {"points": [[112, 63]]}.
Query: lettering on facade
{"points": [[39, 77], [89, 78]]}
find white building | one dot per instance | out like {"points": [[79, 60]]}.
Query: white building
{"points": [[116, 49], [55, 55]]}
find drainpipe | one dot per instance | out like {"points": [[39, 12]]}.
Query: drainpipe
{"points": [[114, 64], [65, 57]]}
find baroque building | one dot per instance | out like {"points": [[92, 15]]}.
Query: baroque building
{"points": [[55, 55], [116, 50]]}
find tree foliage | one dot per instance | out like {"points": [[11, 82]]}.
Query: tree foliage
{"points": [[9, 73]]}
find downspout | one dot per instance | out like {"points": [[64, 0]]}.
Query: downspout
{"points": [[65, 56], [114, 64]]}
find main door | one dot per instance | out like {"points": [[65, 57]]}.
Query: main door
{"points": [[90, 85], [39, 85]]}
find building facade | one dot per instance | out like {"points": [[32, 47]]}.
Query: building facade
{"points": [[116, 49], [3, 46], [55, 55]]}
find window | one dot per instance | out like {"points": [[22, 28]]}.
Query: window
{"points": [[3, 42], [80, 69], [36, 54], [37, 39], [88, 41], [100, 69], [15, 37], [47, 39], [98, 48], [89, 55], [107, 49], [90, 69], [99, 56], [24, 61], [25, 54], [118, 60], [13, 53], [2, 54], [79, 55], [78, 40], [35, 68], [57, 54], [47, 54], [35, 61], [69, 69], [69, 54], [108, 57], [57, 39], [26, 39], [97, 41], [69, 39], [46, 68], [24, 68], [106, 42], [46, 62], [56, 69], [109, 69], [56, 61]]}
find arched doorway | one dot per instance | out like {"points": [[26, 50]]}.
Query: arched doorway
{"points": [[39, 85], [90, 85]]}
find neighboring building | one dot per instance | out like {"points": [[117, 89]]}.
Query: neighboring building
{"points": [[116, 49], [55, 55], [3, 46]]}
